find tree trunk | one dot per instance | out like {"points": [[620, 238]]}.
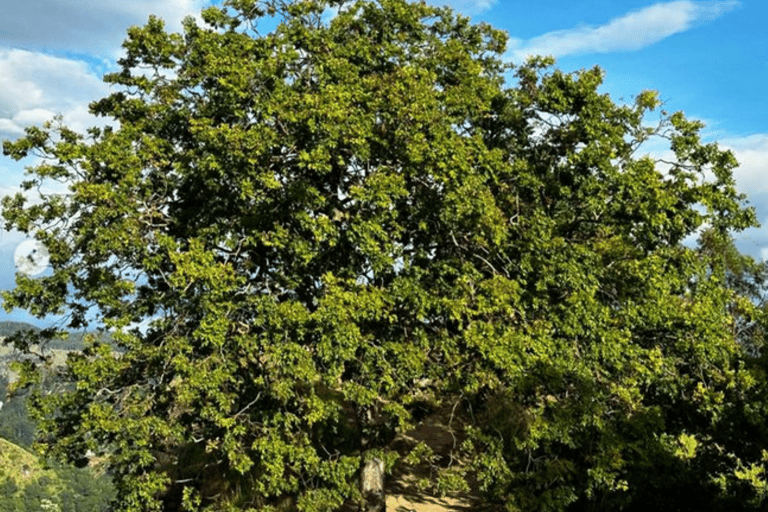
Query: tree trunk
{"points": [[372, 486]]}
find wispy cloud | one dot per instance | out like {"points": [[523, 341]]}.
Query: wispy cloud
{"points": [[34, 87], [631, 31], [468, 6], [752, 153], [463, 6], [92, 27]]}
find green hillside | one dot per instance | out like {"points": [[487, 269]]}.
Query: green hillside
{"points": [[20, 465], [27, 485]]}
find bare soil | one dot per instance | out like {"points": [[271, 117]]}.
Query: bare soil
{"points": [[440, 432]]}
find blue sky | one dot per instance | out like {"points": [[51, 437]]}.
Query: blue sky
{"points": [[706, 58]]}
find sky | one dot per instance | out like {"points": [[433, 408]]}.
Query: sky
{"points": [[708, 59]]}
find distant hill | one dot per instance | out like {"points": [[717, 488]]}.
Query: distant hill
{"points": [[73, 340], [7, 328], [27, 484]]}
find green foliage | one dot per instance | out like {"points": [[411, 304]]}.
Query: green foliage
{"points": [[82, 489], [15, 424], [28, 485], [325, 224]]}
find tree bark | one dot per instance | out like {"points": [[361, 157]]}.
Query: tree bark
{"points": [[372, 486]]}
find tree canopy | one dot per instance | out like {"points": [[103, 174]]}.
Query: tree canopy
{"points": [[301, 237]]}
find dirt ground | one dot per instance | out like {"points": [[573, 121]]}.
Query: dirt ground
{"points": [[404, 496], [438, 431]]}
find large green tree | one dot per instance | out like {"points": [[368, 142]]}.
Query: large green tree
{"points": [[324, 227]]}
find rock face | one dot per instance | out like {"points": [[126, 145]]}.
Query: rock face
{"points": [[9, 355], [372, 486]]}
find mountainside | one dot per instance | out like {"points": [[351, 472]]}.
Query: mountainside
{"points": [[21, 474], [58, 348], [27, 485], [9, 327], [74, 340]]}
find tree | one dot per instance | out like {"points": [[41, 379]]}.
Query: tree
{"points": [[82, 489], [326, 226], [15, 425], [747, 279]]}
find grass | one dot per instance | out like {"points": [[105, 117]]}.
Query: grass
{"points": [[21, 466]]}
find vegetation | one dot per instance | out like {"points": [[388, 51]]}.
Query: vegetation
{"points": [[15, 423], [331, 226], [62, 340], [8, 328], [28, 486]]}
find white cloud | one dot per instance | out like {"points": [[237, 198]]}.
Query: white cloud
{"points": [[35, 116], [632, 31], [34, 87], [467, 6], [751, 151], [8, 128], [92, 27], [463, 6], [752, 154]]}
